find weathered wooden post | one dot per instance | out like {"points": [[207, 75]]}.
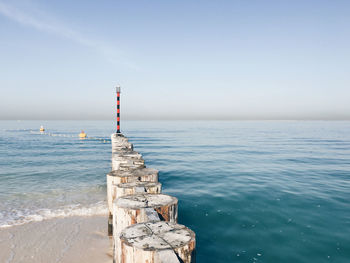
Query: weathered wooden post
{"points": [[132, 209], [137, 188], [157, 242], [127, 158], [120, 176], [119, 143]]}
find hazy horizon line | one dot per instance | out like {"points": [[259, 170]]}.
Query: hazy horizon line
{"points": [[188, 119]]}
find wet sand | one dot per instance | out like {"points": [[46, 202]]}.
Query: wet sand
{"points": [[64, 240]]}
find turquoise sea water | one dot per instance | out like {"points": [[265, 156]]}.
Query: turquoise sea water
{"points": [[253, 191]]}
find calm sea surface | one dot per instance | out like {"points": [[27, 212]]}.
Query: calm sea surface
{"points": [[253, 191]]}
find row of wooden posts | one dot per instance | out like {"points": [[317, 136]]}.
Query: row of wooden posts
{"points": [[142, 221]]}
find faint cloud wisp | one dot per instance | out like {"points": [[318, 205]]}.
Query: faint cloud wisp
{"points": [[41, 22]]}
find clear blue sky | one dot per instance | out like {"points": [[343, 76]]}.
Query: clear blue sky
{"points": [[175, 59]]}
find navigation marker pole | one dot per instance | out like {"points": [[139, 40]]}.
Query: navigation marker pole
{"points": [[118, 109]]}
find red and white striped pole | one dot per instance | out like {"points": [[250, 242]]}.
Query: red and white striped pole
{"points": [[118, 109]]}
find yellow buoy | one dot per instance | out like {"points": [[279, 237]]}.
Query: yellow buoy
{"points": [[82, 135], [42, 128]]}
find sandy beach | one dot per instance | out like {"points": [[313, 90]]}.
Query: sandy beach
{"points": [[70, 239]]}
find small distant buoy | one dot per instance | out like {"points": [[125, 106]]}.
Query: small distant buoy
{"points": [[82, 135], [42, 128]]}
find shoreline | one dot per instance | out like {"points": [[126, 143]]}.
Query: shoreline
{"points": [[65, 240]]}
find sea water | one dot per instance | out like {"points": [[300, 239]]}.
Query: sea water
{"points": [[253, 191]]}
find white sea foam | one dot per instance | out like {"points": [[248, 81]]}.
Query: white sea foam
{"points": [[23, 217]]}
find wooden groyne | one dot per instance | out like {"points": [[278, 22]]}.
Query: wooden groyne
{"points": [[142, 221]]}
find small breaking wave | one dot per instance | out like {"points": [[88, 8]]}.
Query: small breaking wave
{"points": [[15, 218]]}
